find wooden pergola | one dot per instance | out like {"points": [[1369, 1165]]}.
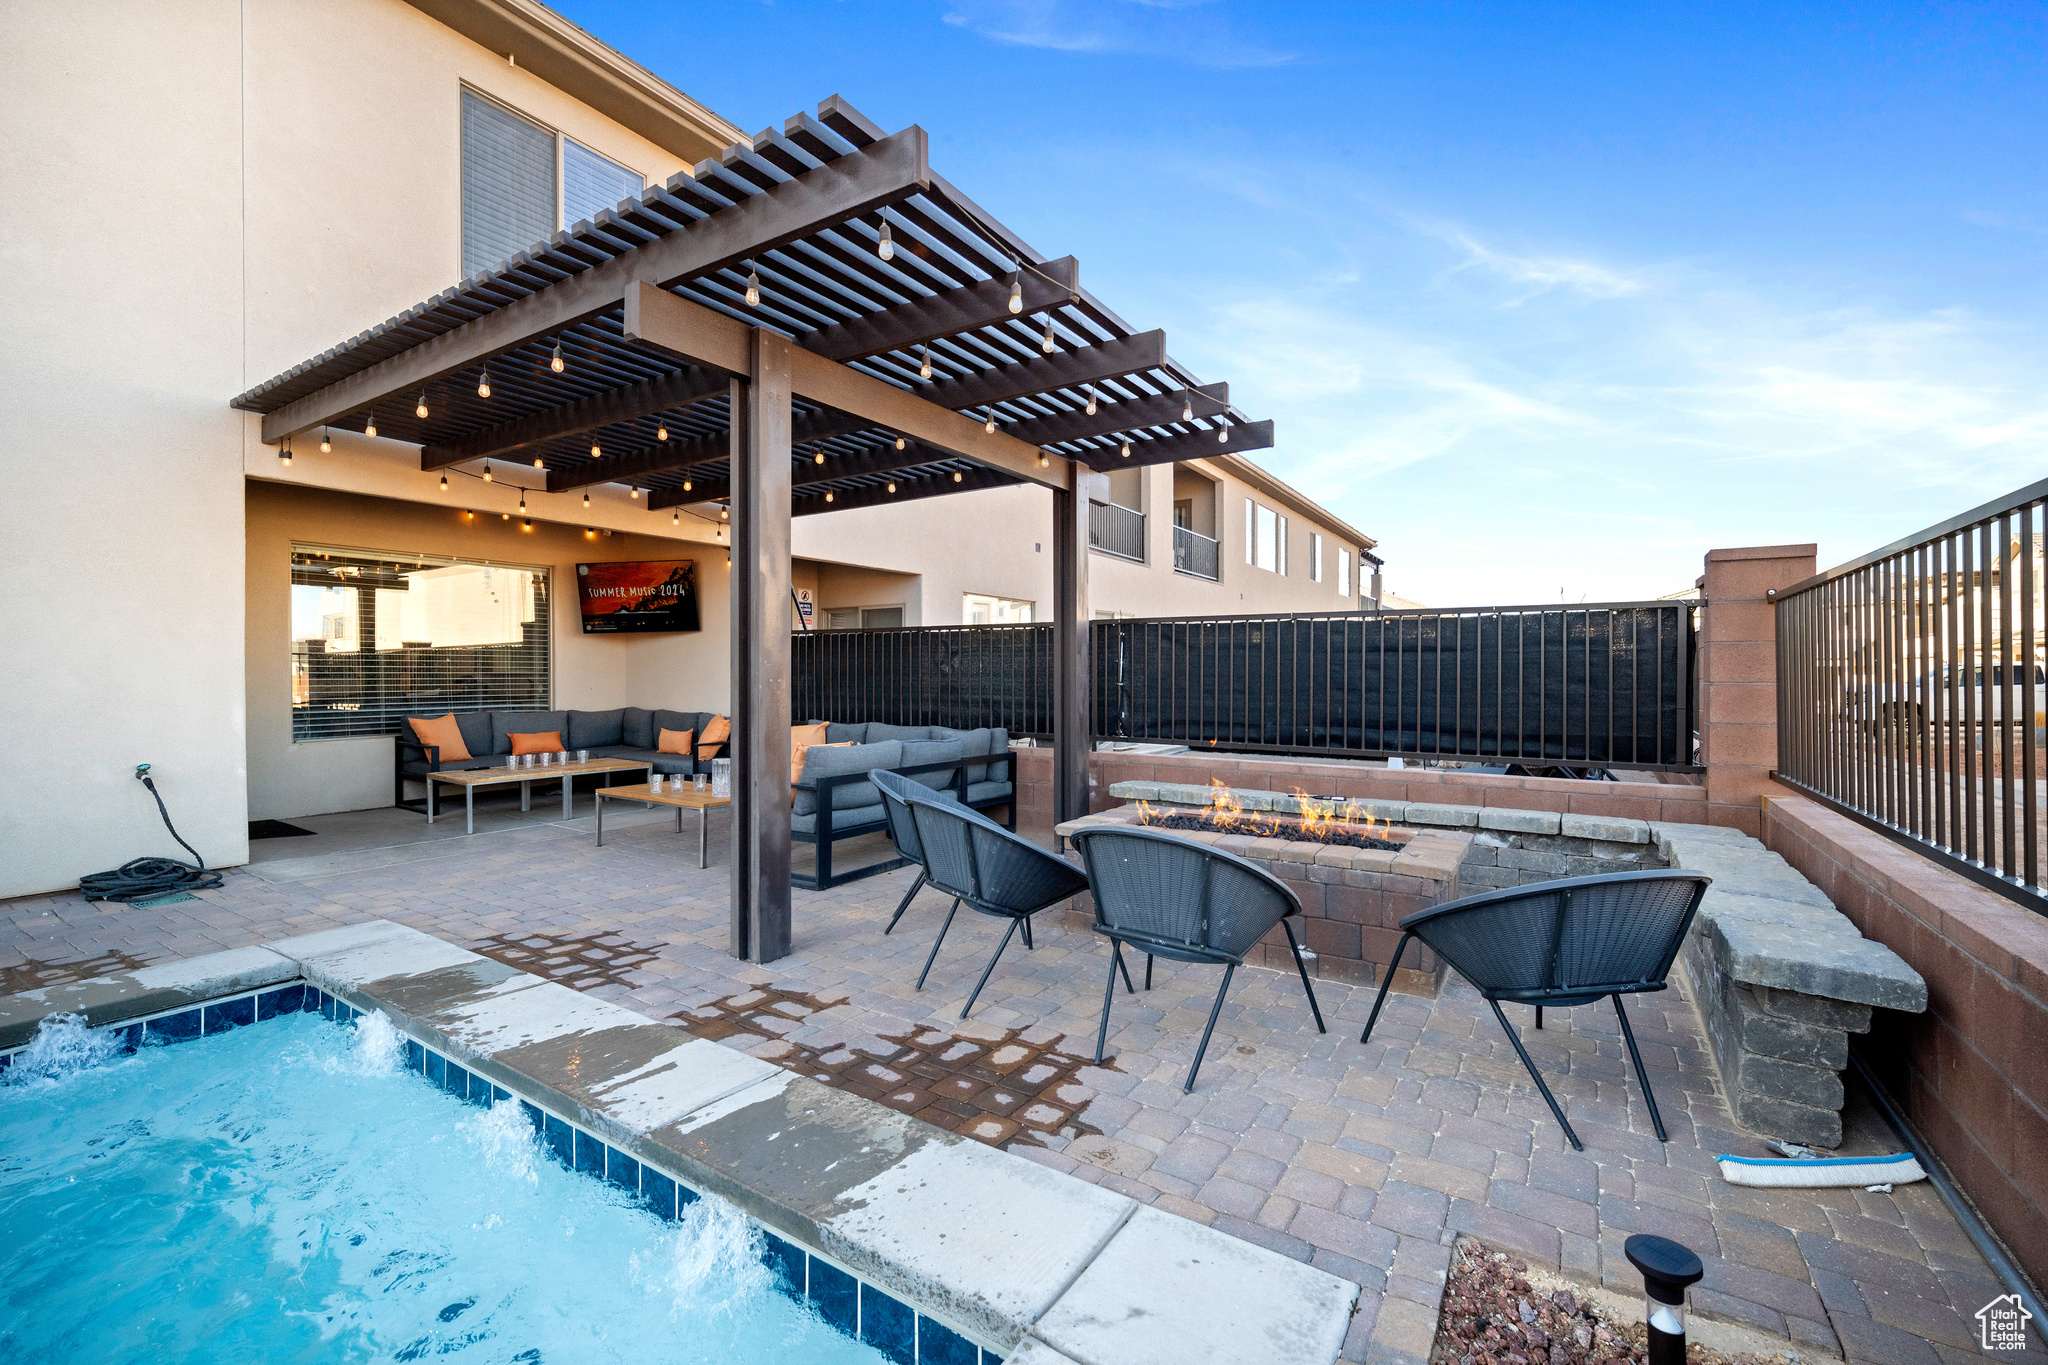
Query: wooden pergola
{"points": [[814, 321]]}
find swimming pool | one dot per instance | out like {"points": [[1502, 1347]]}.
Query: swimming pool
{"points": [[292, 1191]]}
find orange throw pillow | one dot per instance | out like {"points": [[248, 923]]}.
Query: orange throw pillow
{"points": [[717, 731], [444, 734], [802, 737], [547, 743], [675, 742], [796, 761]]}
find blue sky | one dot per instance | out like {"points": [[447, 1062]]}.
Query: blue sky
{"points": [[1548, 300]]}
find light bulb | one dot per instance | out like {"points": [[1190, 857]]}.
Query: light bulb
{"points": [[1223, 432], [990, 425], [1016, 296], [589, 534], [661, 433], [325, 444], [483, 384], [924, 371], [724, 512], [555, 363], [676, 518], [420, 410], [595, 451], [371, 429], [526, 525], [444, 483], [956, 476], [901, 443], [284, 456], [892, 488], [728, 561], [686, 485], [1126, 451], [1091, 401], [634, 492], [537, 464], [487, 471], [468, 515], [1042, 460], [522, 499], [586, 498], [828, 495], [1049, 345], [1187, 407], [753, 289], [504, 516], [885, 248]]}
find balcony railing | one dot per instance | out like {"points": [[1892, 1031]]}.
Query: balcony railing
{"points": [[1195, 553], [1116, 530]]}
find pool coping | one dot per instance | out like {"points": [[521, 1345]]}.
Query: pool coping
{"points": [[1012, 1255]]}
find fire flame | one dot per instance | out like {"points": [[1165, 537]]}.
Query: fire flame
{"points": [[1321, 817]]}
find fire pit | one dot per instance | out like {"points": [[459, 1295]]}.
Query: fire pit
{"points": [[1346, 824]]}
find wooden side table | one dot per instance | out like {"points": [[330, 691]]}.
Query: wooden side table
{"points": [[701, 802]]}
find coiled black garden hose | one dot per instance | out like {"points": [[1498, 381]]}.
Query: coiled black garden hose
{"points": [[143, 879]]}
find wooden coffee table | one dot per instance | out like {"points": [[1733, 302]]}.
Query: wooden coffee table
{"points": [[702, 802], [565, 773]]}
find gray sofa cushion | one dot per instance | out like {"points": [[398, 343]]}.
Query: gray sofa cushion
{"points": [[670, 763], [841, 819], [933, 751], [595, 729], [823, 762], [879, 731], [837, 733], [504, 723], [973, 742], [978, 792], [636, 728], [476, 731]]}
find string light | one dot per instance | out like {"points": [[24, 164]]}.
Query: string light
{"points": [[371, 429], [828, 495], [444, 483], [555, 362], [526, 525], [284, 453], [924, 371], [1126, 451], [901, 443], [504, 516], [661, 432], [1017, 295], [483, 384], [724, 512], [487, 471], [1043, 461], [956, 476], [686, 485], [886, 248], [753, 288], [1187, 406], [634, 492], [420, 410], [325, 445], [586, 497], [1090, 409], [990, 425], [595, 452], [522, 499], [589, 534], [818, 458], [537, 463], [676, 517], [892, 488], [468, 515], [1223, 430], [1049, 345]]}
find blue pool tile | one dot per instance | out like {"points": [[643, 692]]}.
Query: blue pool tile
{"points": [[658, 1193], [499, 1094], [6, 1061], [284, 1000], [129, 1038], [322, 1002], [437, 1069], [479, 1091], [938, 1344], [560, 1140], [621, 1170], [226, 1014], [836, 1296], [589, 1154], [888, 1325], [457, 1083], [785, 1260], [415, 1057], [175, 1028], [533, 1116], [685, 1196]]}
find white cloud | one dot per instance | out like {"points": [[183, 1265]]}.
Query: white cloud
{"points": [[1190, 32]]}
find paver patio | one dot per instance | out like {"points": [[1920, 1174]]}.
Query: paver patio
{"points": [[1365, 1160]]}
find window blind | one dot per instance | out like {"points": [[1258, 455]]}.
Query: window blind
{"points": [[591, 182], [508, 183], [376, 638]]}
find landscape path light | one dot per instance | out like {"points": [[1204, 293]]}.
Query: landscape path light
{"points": [[1667, 1270]]}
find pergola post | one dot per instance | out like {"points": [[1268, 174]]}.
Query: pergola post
{"points": [[1072, 720], [760, 492]]}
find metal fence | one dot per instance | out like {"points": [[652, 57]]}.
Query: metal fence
{"points": [[1912, 691], [1587, 685], [1116, 530], [1197, 554]]}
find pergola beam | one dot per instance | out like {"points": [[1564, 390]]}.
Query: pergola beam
{"points": [[884, 172], [809, 474], [1134, 414], [907, 491], [966, 309], [686, 386], [1063, 369], [655, 317], [1243, 436]]}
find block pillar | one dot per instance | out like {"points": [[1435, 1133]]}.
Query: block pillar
{"points": [[1738, 676], [759, 930]]}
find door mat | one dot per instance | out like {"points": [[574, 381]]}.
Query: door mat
{"points": [[276, 829]]}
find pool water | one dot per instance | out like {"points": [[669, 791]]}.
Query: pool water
{"points": [[287, 1192]]}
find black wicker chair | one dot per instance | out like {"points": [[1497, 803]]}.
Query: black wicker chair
{"points": [[986, 867], [1567, 943], [1185, 902], [896, 790]]}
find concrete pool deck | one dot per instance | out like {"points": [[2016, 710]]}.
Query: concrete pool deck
{"points": [[1365, 1162]]}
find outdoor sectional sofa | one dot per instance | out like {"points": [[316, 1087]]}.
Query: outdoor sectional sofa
{"points": [[831, 801]]}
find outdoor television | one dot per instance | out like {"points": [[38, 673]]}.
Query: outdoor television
{"points": [[638, 597]]}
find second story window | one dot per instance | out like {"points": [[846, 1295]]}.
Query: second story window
{"points": [[1343, 573], [521, 181], [1265, 537], [1315, 556]]}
